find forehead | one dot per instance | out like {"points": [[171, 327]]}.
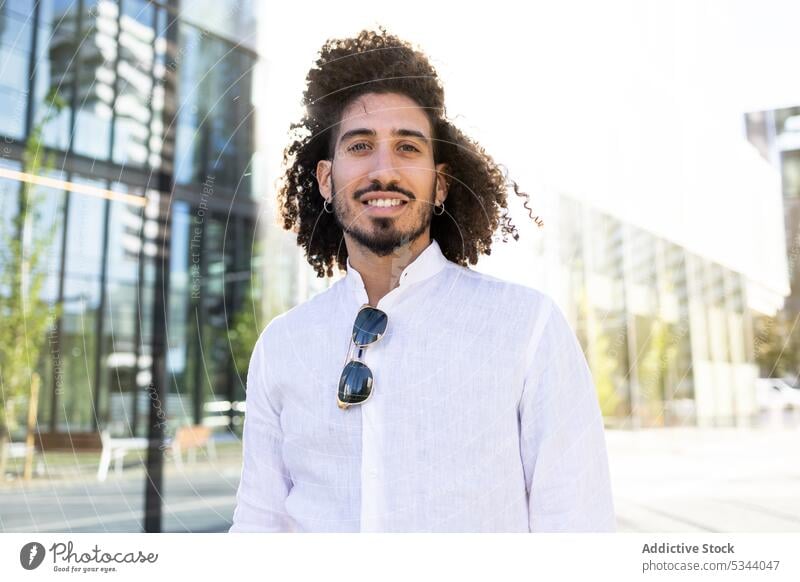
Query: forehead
{"points": [[384, 112]]}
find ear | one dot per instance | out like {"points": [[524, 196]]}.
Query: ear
{"points": [[442, 182], [324, 178]]}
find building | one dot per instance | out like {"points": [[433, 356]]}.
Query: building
{"points": [[668, 332], [776, 135], [661, 255], [157, 121]]}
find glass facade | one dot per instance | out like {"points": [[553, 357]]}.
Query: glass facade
{"points": [[215, 120], [776, 135], [134, 102], [16, 33], [664, 331]]}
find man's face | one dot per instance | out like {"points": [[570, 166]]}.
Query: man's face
{"points": [[383, 151]]}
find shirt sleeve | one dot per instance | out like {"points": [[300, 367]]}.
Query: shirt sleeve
{"points": [[265, 481], [562, 441]]}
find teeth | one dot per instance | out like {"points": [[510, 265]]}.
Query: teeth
{"points": [[385, 202]]}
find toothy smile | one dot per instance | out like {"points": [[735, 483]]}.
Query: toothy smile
{"points": [[381, 202]]}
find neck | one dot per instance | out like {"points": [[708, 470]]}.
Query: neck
{"points": [[382, 274]]}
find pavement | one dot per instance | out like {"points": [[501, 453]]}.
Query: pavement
{"points": [[664, 480], [200, 497], [706, 480]]}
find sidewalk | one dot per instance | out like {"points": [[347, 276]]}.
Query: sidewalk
{"points": [[68, 467], [200, 498], [714, 480], [664, 480]]}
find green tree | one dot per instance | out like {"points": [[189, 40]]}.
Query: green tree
{"points": [[602, 364], [654, 368], [23, 272], [244, 330], [259, 306], [603, 368], [777, 345]]}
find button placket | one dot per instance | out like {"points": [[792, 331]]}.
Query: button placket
{"points": [[371, 439]]}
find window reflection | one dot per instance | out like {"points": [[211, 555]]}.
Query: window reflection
{"points": [[15, 47], [181, 330], [215, 122], [135, 87], [97, 54], [227, 18], [790, 168], [55, 67], [115, 66], [122, 357], [85, 220], [679, 404], [607, 313]]}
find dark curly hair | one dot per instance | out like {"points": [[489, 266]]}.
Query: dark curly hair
{"points": [[378, 62]]}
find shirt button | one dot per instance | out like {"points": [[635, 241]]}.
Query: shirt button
{"points": [[373, 473]]}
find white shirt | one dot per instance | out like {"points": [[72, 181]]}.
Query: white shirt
{"points": [[483, 416]]}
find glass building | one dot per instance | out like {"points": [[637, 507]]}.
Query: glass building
{"points": [[666, 332], [147, 110], [776, 135]]}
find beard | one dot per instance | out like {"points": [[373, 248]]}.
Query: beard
{"points": [[384, 237]]}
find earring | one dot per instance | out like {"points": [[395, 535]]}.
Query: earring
{"points": [[438, 206], [325, 206]]}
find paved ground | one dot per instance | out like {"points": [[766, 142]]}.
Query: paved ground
{"points": [[667, 480], [715, 480], [198, 499]]}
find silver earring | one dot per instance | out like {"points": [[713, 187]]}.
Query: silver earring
{"points": [[326, 208], [438, 206]]}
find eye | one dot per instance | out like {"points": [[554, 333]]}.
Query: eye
{"points": [[411, 147], [356, 147]]}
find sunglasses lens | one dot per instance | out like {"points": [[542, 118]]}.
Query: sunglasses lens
{"points": [[370, 324], [355, 384]]}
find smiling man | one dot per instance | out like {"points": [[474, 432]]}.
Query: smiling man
{"points": [[414, 394], [382, 157]]}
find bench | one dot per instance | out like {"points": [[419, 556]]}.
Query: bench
{"points": [[223, 414], [96, 442], [191, 438], [15, 451], [117, 448], [187, 439]]}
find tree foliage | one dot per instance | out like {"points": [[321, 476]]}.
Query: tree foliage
{"points": [[24, 244]]}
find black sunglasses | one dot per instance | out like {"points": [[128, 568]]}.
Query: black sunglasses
{"points": [[355, 385]]}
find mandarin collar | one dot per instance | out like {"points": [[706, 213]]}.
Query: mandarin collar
{"points": [[427, 264]]}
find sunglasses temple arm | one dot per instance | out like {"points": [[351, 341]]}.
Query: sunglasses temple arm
{"points": [[354, 352]]}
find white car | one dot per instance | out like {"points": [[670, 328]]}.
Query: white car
{"points": [[776, 393]]}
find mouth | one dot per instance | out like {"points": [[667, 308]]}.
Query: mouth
{"points": [[384, 207]]}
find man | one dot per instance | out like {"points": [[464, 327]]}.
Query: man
{"points": [[414, 394]]}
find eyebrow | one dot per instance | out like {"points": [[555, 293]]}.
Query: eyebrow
{"points": [[363, 131]]}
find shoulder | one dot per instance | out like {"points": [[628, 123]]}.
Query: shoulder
{"points": [[299, 317], [536, 313], [552, 337], [531, 299]]}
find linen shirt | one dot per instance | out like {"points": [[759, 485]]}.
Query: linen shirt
{"points": [[483, 415]]}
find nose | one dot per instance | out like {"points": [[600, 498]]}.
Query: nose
{"points": [[384, 169]]}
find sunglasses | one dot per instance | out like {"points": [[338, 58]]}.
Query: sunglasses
{"points": [[355, 385]]}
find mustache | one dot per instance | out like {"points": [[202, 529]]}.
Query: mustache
{"points": [[389, 188]]}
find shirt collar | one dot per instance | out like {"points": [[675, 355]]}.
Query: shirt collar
{"points": [[427, 264]]}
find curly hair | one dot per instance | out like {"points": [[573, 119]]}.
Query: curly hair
{"points": [[378, 62]]}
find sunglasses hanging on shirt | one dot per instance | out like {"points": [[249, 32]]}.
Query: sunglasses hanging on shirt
{"points": [[356, 383]]}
